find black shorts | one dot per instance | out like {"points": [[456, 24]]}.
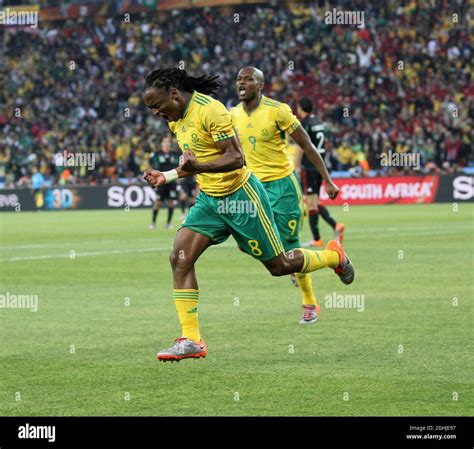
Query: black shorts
{"points": [[188, 186], [312, 181], [166, 192]]}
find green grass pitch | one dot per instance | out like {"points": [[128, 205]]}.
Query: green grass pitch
{"points": [[86, 352]]}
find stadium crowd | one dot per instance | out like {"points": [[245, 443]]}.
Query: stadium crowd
{"points": [[401, 83]]}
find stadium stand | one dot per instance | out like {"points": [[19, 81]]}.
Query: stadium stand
{"points": [[77, 83]]}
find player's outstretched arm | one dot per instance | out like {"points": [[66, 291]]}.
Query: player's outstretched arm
{"points": [[302, 139]]}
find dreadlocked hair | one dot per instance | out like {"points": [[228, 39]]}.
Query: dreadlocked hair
{"points": [[178, 78]]}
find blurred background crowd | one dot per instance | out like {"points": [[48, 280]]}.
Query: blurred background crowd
{"points": [[402, 83]]}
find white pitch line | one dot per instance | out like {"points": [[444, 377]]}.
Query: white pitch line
{"points": [[80, 242], [95, 253], [381, 228], [89, 253], [168, 248]]}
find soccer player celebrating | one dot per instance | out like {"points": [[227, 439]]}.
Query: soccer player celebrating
{"points": [[262, 125], [211, 150], [312, 179], [164, 160]]}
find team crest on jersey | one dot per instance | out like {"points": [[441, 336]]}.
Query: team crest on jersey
{"points": [[265, 132], [194, 138]]}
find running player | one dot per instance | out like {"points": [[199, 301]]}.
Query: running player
{"points": [[211, 150], [312, 180], [164, 160], [262, 125]]}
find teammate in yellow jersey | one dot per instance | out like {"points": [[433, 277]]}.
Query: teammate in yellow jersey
{"points": [[263, 125], [211, 150]]}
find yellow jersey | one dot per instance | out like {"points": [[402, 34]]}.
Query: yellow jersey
{"points": [[206, 121], [263, 135]]}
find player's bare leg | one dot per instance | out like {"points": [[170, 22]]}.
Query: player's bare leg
{"points": [[306, 261], [303, 261], [188, 246], [303, 281]]}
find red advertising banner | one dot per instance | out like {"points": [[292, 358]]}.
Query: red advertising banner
{"points": [[400, 190]]}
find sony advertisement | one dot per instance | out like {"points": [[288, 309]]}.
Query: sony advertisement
{"points": [[353, 191]]}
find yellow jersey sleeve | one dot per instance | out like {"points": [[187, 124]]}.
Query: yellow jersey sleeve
{"points": [[287, 121], [217, 121]]}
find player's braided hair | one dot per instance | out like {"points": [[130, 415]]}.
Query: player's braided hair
{"points": [[173, 77]]}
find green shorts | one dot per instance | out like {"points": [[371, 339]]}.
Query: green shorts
{"points": [[245, 214], [286, 201]]}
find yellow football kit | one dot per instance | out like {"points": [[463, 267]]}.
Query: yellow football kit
{"points": [[206, 121], [232, 203], [263, 135]]}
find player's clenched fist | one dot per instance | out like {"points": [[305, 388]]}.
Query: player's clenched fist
{"points": [[154, 178], [188, 162], [332, 190]]}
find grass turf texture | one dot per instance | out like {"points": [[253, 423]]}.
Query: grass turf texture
{"points": [[260, 360]]}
